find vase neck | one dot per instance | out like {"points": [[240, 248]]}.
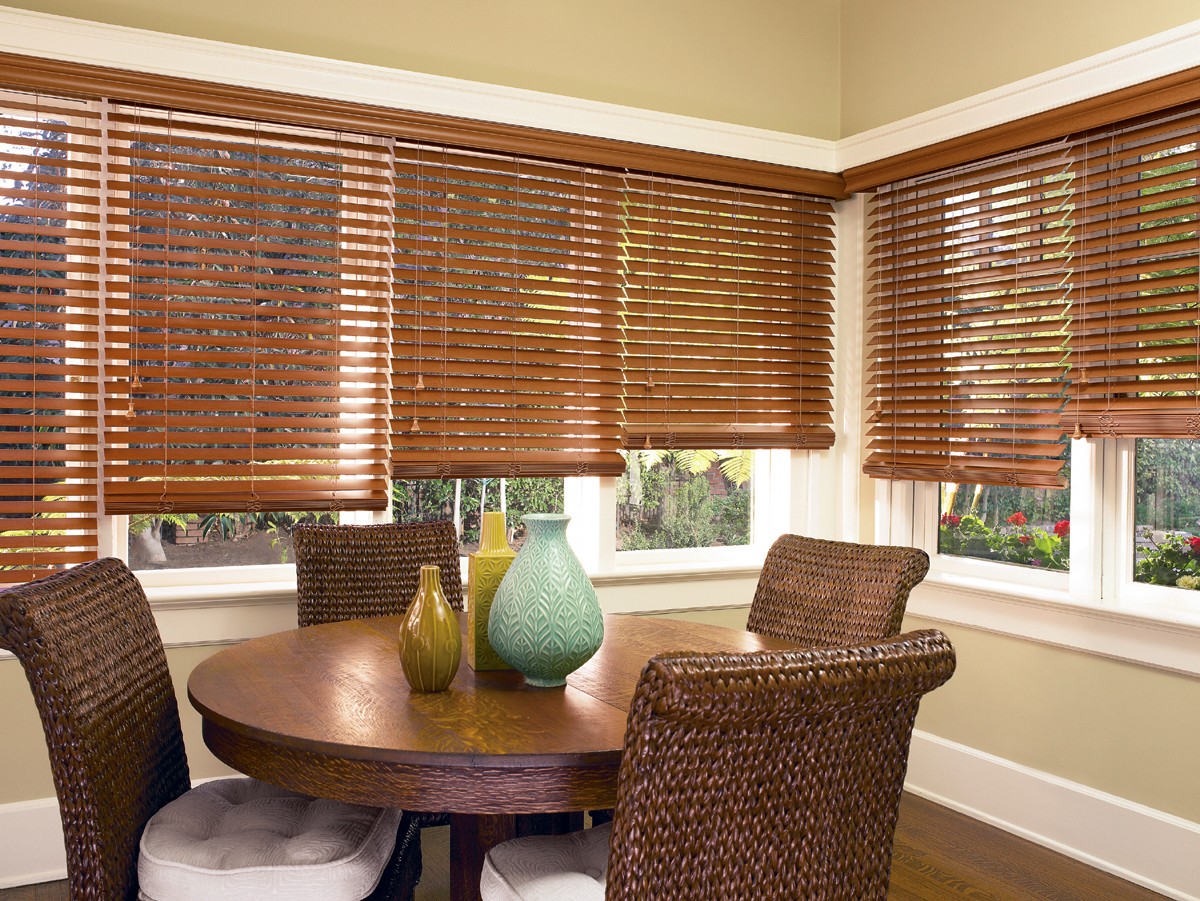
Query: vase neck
{"points": [[493, 536], [546, 525], [431, 579]]}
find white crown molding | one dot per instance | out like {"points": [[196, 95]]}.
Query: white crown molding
{"points": [[1132, 841], [1152, 57], [78, 40]]}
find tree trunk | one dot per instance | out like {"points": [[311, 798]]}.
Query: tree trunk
{"points": [[458, 508], [151, 539]]}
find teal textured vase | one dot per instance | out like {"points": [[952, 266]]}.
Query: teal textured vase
{"points": [[545, 621]]}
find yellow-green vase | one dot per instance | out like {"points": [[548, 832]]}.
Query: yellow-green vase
{"points": [[430, 642], [485, 569]]}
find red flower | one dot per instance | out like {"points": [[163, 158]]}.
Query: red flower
{"points": [[1024, 539], [1195, 544], [1018, 519], [1062, 528], [949, 519]]}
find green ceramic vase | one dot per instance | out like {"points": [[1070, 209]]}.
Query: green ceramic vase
{"points": [[430, 641], [545, 620]]}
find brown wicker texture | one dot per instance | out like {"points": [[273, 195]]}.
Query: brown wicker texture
{"points": [[832, 593], [773, 775], [92, 652], [357, 572]]}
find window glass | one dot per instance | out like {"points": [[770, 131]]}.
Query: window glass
{"points": [[685, 499], [462, 500], [1025, 526], [1166, 546], [192, 540]]}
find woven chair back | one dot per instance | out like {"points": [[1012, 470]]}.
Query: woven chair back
{"points": [[357, 572], [769, 776], [89, 645], [831, 593]]}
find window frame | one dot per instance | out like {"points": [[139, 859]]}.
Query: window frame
{"points": [[1100, 610], [772, 473]]}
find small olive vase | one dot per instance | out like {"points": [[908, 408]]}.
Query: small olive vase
{"points": [[546, 620], [485, 570], [430, 642]]}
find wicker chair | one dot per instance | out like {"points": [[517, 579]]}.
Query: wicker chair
{"points": [[832, 593], [89, 645], [756, 777], [356, 572]]}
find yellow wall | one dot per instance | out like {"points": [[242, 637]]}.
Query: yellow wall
{"points": [[766, 63], [1119, 727], [902, 58], [24, 764]]}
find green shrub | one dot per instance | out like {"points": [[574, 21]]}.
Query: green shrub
{"points": [[1174, 559], [1015, 542]]}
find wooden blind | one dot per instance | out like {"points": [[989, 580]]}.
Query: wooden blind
{"points": [[727, 318], [971, 276], [248, 314], [49, 280], [1135, 325], [506, 335]]}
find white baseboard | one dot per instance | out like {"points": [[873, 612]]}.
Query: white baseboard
{"points": [[32, 839], [1132, 841], [1137, 843]]}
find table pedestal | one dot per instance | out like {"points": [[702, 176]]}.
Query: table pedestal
{"points": [[473, 835]]}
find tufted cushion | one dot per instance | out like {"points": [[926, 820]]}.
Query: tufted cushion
{"points": [[570, 867], [243, 839]]}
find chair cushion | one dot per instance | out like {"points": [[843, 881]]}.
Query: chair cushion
{"points": [[244, 839], [571, 867]]}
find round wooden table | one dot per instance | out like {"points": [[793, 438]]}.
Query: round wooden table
{"points": [[326, 710]]}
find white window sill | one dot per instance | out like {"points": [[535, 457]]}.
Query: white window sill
{"points": [[223, 594], [648, 574], [1162, 638]]}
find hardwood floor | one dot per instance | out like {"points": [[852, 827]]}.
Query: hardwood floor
{"points": [[939, 855]]}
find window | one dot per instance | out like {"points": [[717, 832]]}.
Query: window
{"points": [[1023, 526], [49, 309], [505, 344], [246, 317], [462, 501], [727, 322], [218, 328], [1166, 546], [971, 276], [194, 540], [685, 499], [1056, 289]]}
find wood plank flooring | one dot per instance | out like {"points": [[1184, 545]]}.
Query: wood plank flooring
{"points": [[940, 855]]}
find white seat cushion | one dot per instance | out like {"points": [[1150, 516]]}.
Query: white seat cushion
{"points": [[570, 867], [244, 839]]}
